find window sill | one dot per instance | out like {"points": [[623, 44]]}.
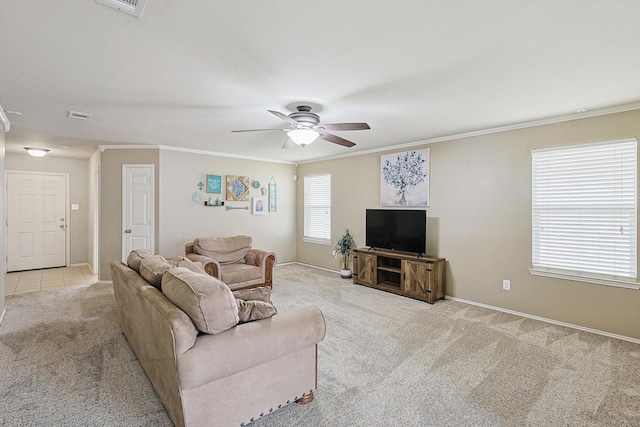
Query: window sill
{"points": [[594, 280], [316, 240]]}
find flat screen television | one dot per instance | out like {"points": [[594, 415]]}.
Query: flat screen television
{"points": [[402, 230]]}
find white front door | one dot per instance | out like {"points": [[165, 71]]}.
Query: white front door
{"points": [[36, 221], [137, 208]]}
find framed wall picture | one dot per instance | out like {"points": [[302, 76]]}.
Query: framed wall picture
{"points": [[404, 178], [259, 205], [214, 184], [238, 188], [272, 197]]}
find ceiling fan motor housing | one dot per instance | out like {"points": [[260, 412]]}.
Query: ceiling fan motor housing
{"points": [[305, 117]]}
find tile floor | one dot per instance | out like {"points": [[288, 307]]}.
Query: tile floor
{"points": [[47, 279]]}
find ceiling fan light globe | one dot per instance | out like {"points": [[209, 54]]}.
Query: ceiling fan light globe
{"points": [[303, 137]]}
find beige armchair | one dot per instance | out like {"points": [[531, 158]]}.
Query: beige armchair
{"points": [[233, 260]]}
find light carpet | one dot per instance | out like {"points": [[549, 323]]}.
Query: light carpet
{"points": [[386, 361]]}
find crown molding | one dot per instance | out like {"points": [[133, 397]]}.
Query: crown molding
{"points": [[488, 131], [191, 151]]}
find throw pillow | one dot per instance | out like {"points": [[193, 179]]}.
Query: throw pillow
{"points": [[207, 301], [136, 256], [263, 293], [185, 262], [248, 311], [152, 269]]}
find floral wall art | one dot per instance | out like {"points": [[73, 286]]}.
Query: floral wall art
{"points": [[404, 178]]}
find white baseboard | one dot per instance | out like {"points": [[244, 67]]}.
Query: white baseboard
{"points": [[80, 264], [314, 266], [2, 315], [544, 319], [105, 282]]}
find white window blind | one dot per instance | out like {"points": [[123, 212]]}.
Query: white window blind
{"points": [[584, 210], [317, 209]]}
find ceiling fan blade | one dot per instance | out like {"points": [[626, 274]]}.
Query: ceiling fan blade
{"points": [[288, 144], [345, 126], [337, 140], [258, 130], [283, 117]]}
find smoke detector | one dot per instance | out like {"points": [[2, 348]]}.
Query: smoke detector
{"points": [[131, 7]]}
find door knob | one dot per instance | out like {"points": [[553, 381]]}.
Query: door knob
{"points": [[127, 231]]}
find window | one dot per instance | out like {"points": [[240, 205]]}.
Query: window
{"points": [[584, 212], [317, 209]]}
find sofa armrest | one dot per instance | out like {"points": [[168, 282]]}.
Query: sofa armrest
{"points": [[211, 266], [250, 344], [263, 259]]}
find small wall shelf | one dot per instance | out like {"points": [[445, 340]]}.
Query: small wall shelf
{"points": [[206, 203]]}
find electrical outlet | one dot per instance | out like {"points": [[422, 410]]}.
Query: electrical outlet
{"points": [[506, 285]]}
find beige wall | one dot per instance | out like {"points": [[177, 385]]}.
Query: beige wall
{"points": [[182, 220], [110, 224], [480, 221], [178, 219], [78, 194]]}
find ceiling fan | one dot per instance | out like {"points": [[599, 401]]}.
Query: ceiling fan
{"points": [[306, 128]]}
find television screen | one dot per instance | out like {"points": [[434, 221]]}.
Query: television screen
{"points": [[397, 229]]}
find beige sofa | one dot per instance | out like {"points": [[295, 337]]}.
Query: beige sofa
{"points": [[229, 378], [233, 260]]}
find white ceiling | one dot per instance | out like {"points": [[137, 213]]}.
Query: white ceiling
{"points": [[188, 72]]}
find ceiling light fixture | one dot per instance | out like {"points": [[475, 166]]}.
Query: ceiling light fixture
{"points": [[303, 137], [36, 152]]}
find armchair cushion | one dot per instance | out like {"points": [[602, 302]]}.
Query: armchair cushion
{"points": [[207, 301], [225, 250], [240, 273]]}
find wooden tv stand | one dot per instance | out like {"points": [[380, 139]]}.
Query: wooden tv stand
{"points": [[401, 273]]}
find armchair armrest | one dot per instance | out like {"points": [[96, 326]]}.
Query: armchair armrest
{"points": [[211, 266], [250, 344], [265, 260]]}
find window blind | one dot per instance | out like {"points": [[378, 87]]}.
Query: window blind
{"points": [[317, 209], [584, 210]]}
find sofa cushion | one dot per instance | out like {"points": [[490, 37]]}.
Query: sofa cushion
{"points": [[181, 261], [239, 273], [248, 311], [263, 293], [136, 256], [225, 250], [152, 269], [207, 301]]}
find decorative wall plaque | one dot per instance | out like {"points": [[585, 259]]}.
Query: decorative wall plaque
{"points": [[237, 188]]}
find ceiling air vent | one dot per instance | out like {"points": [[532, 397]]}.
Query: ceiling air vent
{"points": [[78, 115], [132, 7]]}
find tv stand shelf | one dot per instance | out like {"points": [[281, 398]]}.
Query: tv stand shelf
{"points": [[419, 277]]}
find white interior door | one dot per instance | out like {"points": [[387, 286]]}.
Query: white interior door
{"points": [[137, 208], [36, 221]]}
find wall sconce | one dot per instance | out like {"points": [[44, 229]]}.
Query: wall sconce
{"points": [[36, 152]]}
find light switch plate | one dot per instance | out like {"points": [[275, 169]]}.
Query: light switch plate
{"points": [[75, 207]]}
